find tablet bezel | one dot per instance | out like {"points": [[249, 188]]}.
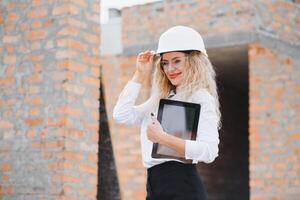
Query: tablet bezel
{"points": [[164, 102]]}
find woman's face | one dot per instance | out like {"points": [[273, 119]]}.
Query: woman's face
{"points": [[174, 65]]}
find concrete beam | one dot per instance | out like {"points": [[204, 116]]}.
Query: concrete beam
{"points": [[233, 39]]}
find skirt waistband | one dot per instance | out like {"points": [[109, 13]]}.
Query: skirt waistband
{"points": [[169, 166]]}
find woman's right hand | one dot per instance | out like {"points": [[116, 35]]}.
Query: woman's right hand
{"points": [[144, 64]]}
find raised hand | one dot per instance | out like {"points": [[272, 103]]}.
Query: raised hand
{"points": [[144, 64]]}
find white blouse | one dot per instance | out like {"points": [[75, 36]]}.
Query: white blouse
{"points": [[203, 149]]}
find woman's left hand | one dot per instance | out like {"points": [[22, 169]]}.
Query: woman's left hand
{"points": [[154, 131]]}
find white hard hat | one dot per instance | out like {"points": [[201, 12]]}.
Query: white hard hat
{"points": [[180, 38]]}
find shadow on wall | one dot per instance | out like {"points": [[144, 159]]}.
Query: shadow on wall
{"points": [[108, 185]]}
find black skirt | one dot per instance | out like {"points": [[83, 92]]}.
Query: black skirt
{"points": [[174, 181]]}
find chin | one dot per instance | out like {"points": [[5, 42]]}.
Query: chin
{"points": [[175, 83]]}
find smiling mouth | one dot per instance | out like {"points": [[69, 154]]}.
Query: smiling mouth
{"points": [[173, 76]]}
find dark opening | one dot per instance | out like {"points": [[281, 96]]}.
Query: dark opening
{"points": [[108, 185], [228, 176]]}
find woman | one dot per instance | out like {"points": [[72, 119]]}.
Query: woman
{"points": [[182, 72]]}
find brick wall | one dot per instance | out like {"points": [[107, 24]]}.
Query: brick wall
{"points": [[274, 124], [205, 16], [279, 19], [270, 25], [49, 81], [116, 71]]}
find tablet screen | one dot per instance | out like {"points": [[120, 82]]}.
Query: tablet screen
{"points": [[179, 119]]}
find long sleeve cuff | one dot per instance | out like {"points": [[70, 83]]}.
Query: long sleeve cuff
{"points": [[200, 151]]}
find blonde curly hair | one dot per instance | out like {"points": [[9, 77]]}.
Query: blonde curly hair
{"points": [[200, 74]]}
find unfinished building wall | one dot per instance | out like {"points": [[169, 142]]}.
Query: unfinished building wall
{"points": [[49, 82], [274, 124], [274, 25]]}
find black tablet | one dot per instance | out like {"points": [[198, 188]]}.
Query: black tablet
{"points": [[179, 119]]}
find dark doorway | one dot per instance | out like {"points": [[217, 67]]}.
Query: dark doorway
{"points": [[108, 185], [228, 176]]}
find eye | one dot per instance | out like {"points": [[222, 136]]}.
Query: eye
{"points": [[163, 63], [177, 61]]}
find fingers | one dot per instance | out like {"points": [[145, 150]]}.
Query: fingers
{"points": [[146, 56]]}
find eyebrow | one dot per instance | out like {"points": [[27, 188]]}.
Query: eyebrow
{"points": [[172, 58]]}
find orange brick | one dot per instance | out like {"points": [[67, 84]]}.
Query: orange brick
{"points": [[257, 198], [44, 133], [72, 65], [34, 121], [12, 16], [90, 103], [9, 71], [49, 44], [6, 190], [93, 18], [71, 43], [68, 31], [64, 178], [48, 144], [93, 180], [91, 60], [48, 23], [296, 88], [65, 9], [11, 38], [10, 6], [95, 93], [66, 155], [66, 54], [70, 132], [36, 2], [95, 71], [36, 24], [81, 3], [24, 26], [7, 81], [88, 192], [91, 38], [5, 124], [94, 127], [73, 88], [95, 115], [68, 189], [6, 167], [33, 89], [54, 143], [35, 78], [294, 136], [10, 60], [59, 121], [10, 49], [69, 110], [96, 7], [31, 133], [8, 28], [35, 45], [37, 13], [36, 57], [35, 111], [96, 51], [77, 23], [36, 35], [91, 81], [5, 178], [37, 67], [88, 168], [33, 100], [93, 157], [256, 183]]}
